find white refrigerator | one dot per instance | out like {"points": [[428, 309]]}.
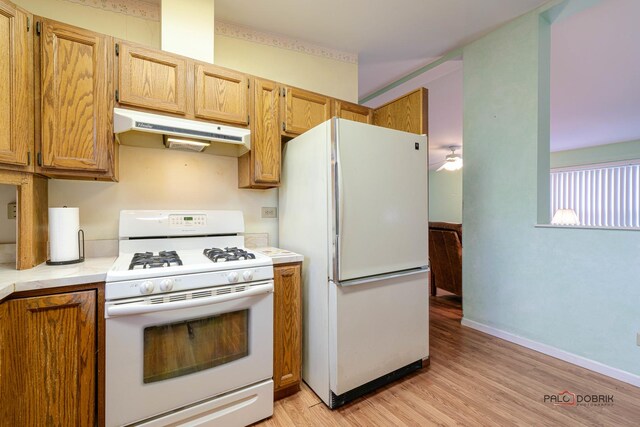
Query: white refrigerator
{"points": [[353, 200]]}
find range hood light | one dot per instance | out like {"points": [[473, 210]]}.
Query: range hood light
{"points": [[185, 144]]}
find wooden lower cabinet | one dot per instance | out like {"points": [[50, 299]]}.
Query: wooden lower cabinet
{"points": [[49, 360], [287, 329]]}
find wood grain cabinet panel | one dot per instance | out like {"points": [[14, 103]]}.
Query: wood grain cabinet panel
{"points": [[287, 329], [221, 94], [16, 87], [353, 112], [151, 79], [260, 168], [408, 113], [48, 360], [76, 101], [304, 110]]}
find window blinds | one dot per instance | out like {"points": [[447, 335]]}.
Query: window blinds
{"points": [[602, 196]]}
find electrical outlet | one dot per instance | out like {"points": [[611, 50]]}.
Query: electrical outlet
{"points": [[269, 212], [12, 210]]}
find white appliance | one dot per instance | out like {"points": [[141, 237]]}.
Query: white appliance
{"points": [[131, 127], [353, 199], [189, 322]]}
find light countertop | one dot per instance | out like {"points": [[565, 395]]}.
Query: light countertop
{"points": [[92, 270], [280, 256], [45, 276]]}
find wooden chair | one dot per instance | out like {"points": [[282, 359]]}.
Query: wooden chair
{"points": [[445, 256]]}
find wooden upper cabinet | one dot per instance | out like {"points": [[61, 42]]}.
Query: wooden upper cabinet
{"points": [[287, 329], [354, 112], [16, 87], [221, 94], [76, 129], [408, 113], [260, 168], [304, 110], [48, 360], [152, 79]]}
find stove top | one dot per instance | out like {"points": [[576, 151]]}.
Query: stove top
{"points": [[159, 244], [142, 264], [150, 260], [227, 254]]}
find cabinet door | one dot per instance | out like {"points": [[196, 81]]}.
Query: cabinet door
{"points": [[266, 145], [408, 113], [287, 326], [354, 112], [151, 79], [76, 130], [304, 110], [16, 86], [49, 360], [221, 94]]}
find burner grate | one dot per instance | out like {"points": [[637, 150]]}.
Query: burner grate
{"points": [[227, 254], [150, 260]]}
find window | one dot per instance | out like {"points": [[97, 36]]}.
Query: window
{"points": [[601, 195]]}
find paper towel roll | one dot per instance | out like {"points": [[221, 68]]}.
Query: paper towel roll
{"points": [[64, 224]]}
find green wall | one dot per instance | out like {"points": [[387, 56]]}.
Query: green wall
{"points": [[445, 196], [573, 289], [629, 150]]}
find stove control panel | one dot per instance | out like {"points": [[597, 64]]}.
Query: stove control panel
{"points": [[187, 220], [160, 285]]}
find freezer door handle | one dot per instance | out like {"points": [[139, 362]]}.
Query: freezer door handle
{"points": [[370, 279]]}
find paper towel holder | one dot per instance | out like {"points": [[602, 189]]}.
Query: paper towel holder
{"points": [[73, 261]]}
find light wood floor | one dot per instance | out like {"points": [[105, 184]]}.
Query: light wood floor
{"points": [[474, 379]]}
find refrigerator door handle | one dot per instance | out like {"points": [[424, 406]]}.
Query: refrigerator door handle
{"points": [[370, 279]]}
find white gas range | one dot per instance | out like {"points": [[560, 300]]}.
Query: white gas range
{"points": [[189, 322]]}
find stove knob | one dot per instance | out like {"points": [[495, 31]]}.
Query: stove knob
{"points": [[232, 277], [248, 275], [146, 287], [166, 285]]}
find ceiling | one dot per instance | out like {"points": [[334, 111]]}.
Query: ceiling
{"points": [[391, 38], [595, 68]]}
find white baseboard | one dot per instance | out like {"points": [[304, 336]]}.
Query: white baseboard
{"points": [[583, 362]]}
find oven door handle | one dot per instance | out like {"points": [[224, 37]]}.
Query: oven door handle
{"points": [[143, 306]]}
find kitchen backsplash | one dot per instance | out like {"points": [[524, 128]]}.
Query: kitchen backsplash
{"points": [[164, 179]]}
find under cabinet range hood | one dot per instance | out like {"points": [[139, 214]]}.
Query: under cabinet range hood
{"points": [[157, 131]]}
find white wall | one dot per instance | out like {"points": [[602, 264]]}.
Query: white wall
{"points": [[144, 31], [327, 76], [163, 179], [445, 196], [7, 226]]}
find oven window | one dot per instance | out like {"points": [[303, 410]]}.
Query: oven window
{"points": [[184, 347]]}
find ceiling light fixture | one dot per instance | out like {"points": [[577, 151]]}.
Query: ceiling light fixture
{"points": [[453, 161]]}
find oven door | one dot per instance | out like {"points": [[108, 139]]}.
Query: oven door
{"points": [[167, 351]]}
